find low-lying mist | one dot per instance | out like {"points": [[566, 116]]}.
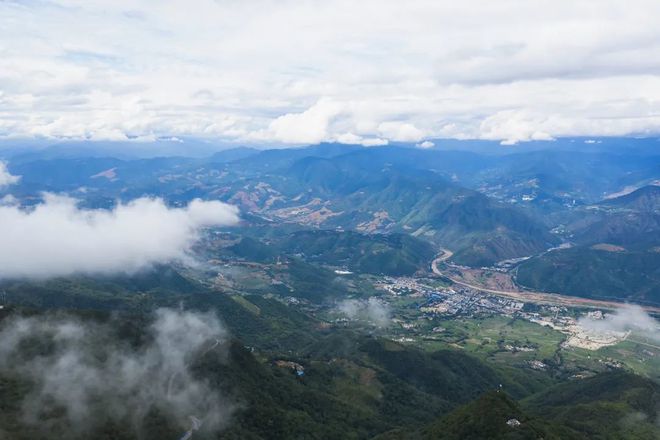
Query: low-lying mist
{"points": [[82, 377], [627, 318], [373, 310]]}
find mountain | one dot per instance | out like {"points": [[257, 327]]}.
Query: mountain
{"points": [[372, 196], [609, 406], [631, 220], [494, 416], [355, 386], [602, 271], [232, 154], [631, 230], [645, 199], [390, 254], [486, 207], [615, 254]]}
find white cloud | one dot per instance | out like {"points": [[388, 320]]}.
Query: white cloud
{"points": [[58, 238], [6, 178], [310, 126], [627, 318], [87, 378], [372, 310], [515, 126], [300, 72], [350, 138], [426, 144], [400, 131]]}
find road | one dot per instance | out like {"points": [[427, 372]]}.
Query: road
{"points": [[534, 297]]}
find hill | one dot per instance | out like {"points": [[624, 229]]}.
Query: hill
{"points": [[646, 198], [487, 417], [600, 272], [608, 406], [354, 385], [390, 254], [634, 230], [369, 194]]}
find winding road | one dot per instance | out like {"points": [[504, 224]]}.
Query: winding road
{"points": [[531, 296]]}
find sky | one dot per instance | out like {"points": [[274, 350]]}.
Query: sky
{"points": [[299, 72]]}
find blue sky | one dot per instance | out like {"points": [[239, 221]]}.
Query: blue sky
{"points": [[296, 72]]}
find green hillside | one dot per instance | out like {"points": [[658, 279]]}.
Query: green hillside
{"points": [[355, 385], [390, 254], [487, 417], [608, 406], [595, 273], [646, 198], [423, 203]]}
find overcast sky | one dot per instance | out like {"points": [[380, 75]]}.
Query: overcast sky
{"points": [[367, 72]]}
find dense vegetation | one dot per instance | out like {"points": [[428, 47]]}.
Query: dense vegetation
{"points": [[594, 273], [395, 254], [354, 386], [385, 211]]}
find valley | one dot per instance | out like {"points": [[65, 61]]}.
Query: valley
{"points": [[329, 220], [434, 309], [372, 292], [458, 275]]}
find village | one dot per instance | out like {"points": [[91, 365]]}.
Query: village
{"points": [[466, 302]]}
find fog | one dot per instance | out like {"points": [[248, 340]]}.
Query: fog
{"points": [[83, 377], [372, 310], [627, 318], [58, 238]]}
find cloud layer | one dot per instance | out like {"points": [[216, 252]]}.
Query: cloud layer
{"points": [[306, 71], [6, 178], [59, 238], [83, 378]]}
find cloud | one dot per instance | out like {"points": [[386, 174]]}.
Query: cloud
{"points": [[350, 138], [514, 126], [83, 377], [627, 318], [57, 238], [6, 178], [372, 310], [400, 131], [295, 72], [426, 144], [310, 126]]}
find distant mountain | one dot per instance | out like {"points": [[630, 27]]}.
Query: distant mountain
{"points": [[632, 230], [484, 207], [584, 176], [371, 196], [631, 221], [646, 199], [233, 154]]}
